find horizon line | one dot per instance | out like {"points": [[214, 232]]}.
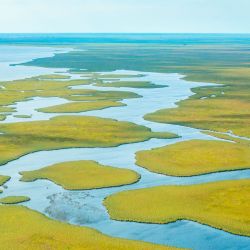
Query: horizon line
{"points": [[131, 33]]}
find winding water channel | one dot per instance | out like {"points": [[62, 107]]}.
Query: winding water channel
{"points": [[85, 207]]}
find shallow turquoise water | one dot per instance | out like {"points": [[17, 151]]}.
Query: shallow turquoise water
{"points": [[175, 39], [17, 54]]}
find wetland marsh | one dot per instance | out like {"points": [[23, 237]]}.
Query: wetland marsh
{"points": [[82, 139]]}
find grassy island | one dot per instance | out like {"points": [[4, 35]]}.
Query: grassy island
{"points": [[83, 175], [4, 179], [53, 77], [195, 157], [22, 116], [23, 90], [69, 131], [14, 199], [2, 117], [75, 107], [131, 84], [223, 205], [22, 229]]}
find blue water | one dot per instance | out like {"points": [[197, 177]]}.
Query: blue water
{"points": [[75, 38]]}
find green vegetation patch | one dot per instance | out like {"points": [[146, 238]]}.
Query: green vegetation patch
{"points": [[83, 175], [54, 77], [94, 95], [131, 84], [229, 137], [34, 84], [224, 205], [221, 111], [75, 107], [6, 109], [21, 229], [2, 117], [195, 157], [21, 90], [117, 76], [67, 132], [23, 116], [226, 108], [24, 90], [4, 179], [14, 199]]}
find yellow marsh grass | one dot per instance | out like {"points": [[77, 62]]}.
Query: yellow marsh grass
{"points": [[14, 199], [224, 74], [53, 76], [5, 109], [21, 90], [4, 179], [83, 175], [195, 157], [2, 117], [114, 76], [23, 229], [22, 116], [240, 141], [212, 113], [225, 108], [224, 205], [130, 84], [67, 132], [32, 84], [75, 107], [94, 95]]}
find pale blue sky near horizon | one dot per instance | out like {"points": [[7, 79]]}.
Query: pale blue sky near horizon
{"points": [[141, 16]]}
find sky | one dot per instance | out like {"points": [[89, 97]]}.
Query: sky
{"points": [[122, 16]]}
